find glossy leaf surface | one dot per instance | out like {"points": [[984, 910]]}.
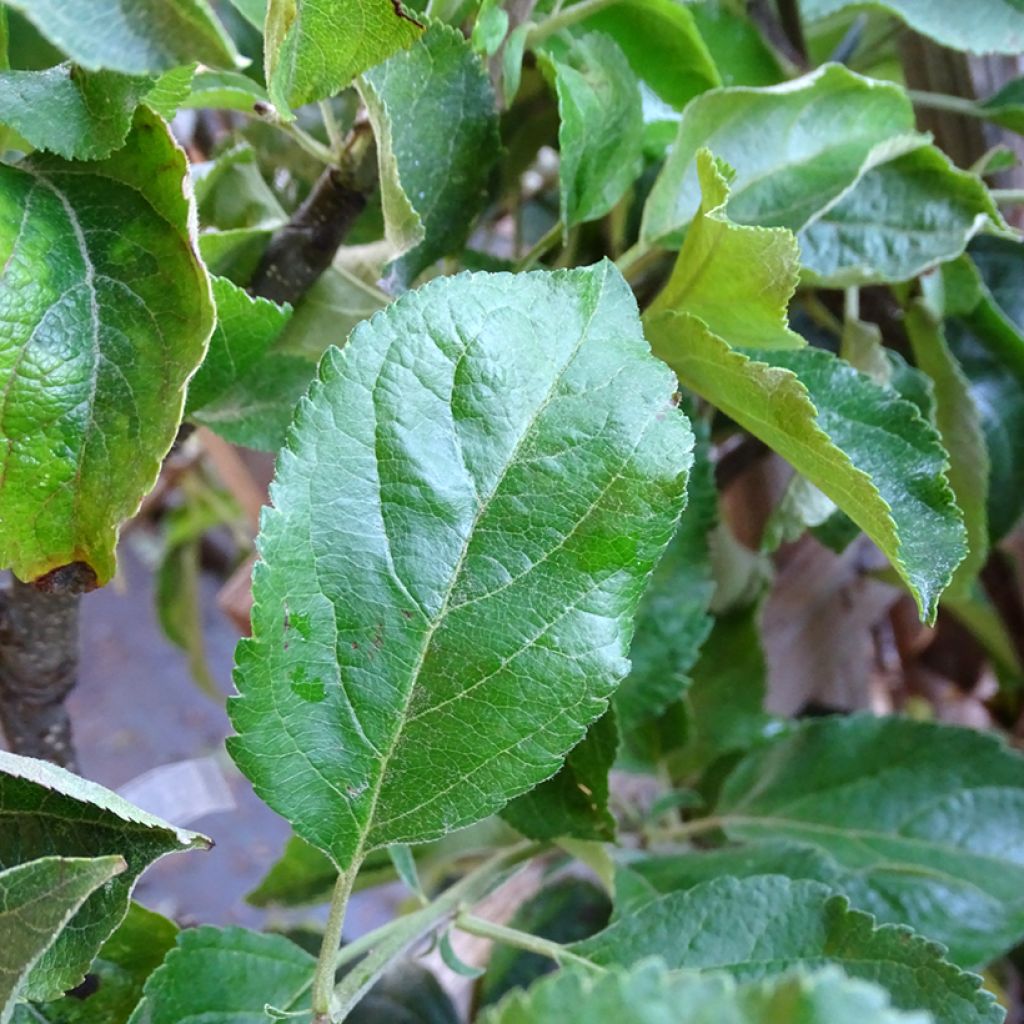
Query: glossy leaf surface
{"points": [[465, 515], [920, 818], [46, 811], [798, 924], [433, 98], [99, 333]]}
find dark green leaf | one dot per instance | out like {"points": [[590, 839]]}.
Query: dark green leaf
{"points": [[46, 811], [517, 429], [798, 924], [314, 48], [407, 994], [302, 875], [434, 115], [106, 313], [574, 802], [37, 900], [672, 620], [920, 818], [601, 130], [133, 36], [245, 329], [735, 45], [226, 976], [81, 115]]}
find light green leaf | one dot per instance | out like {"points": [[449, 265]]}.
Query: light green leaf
{"points": [[672, 621], [925, 821], [960, 428], [574, 802], [134, 36], [105, 312], [601, 132], [435, 119], [903, 217], [516, 428], [47, 811], [226, 976], [81, 115], [799, 924], [246, 327], [170, 90], [998, 28], [737, 279], [315, 48], [805, 404], [225, 90], [825, 130], [255, 411], [650, 994], [663, 45], [37, 900]]}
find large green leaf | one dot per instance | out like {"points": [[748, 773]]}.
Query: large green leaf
{"points": [[468, 507], [105, 312], [650, 994], [435, 118], [995, 27], [37, 899], [574, 802], [904, 216], [601, 132], [673, 621], [796, 147], [78, 114], [926, 822], [46, 811], [314, 48], [226, 976], [133, 36], [798, 924], [806, 404]]}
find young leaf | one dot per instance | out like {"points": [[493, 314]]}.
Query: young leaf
{"points": [[246, 327], [959, 426], [574, 802], [919, 818], [663, 45], [468, 506], [672, 621], [434, 98], [601, 132], [949, 22], [100, 330], [805, 404], [904, 216], [134, 36], [78, 114], [796, 147], [226, 974], [799, 923], [314, 48], [46, 811], [650, 994], [37, 899]]}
